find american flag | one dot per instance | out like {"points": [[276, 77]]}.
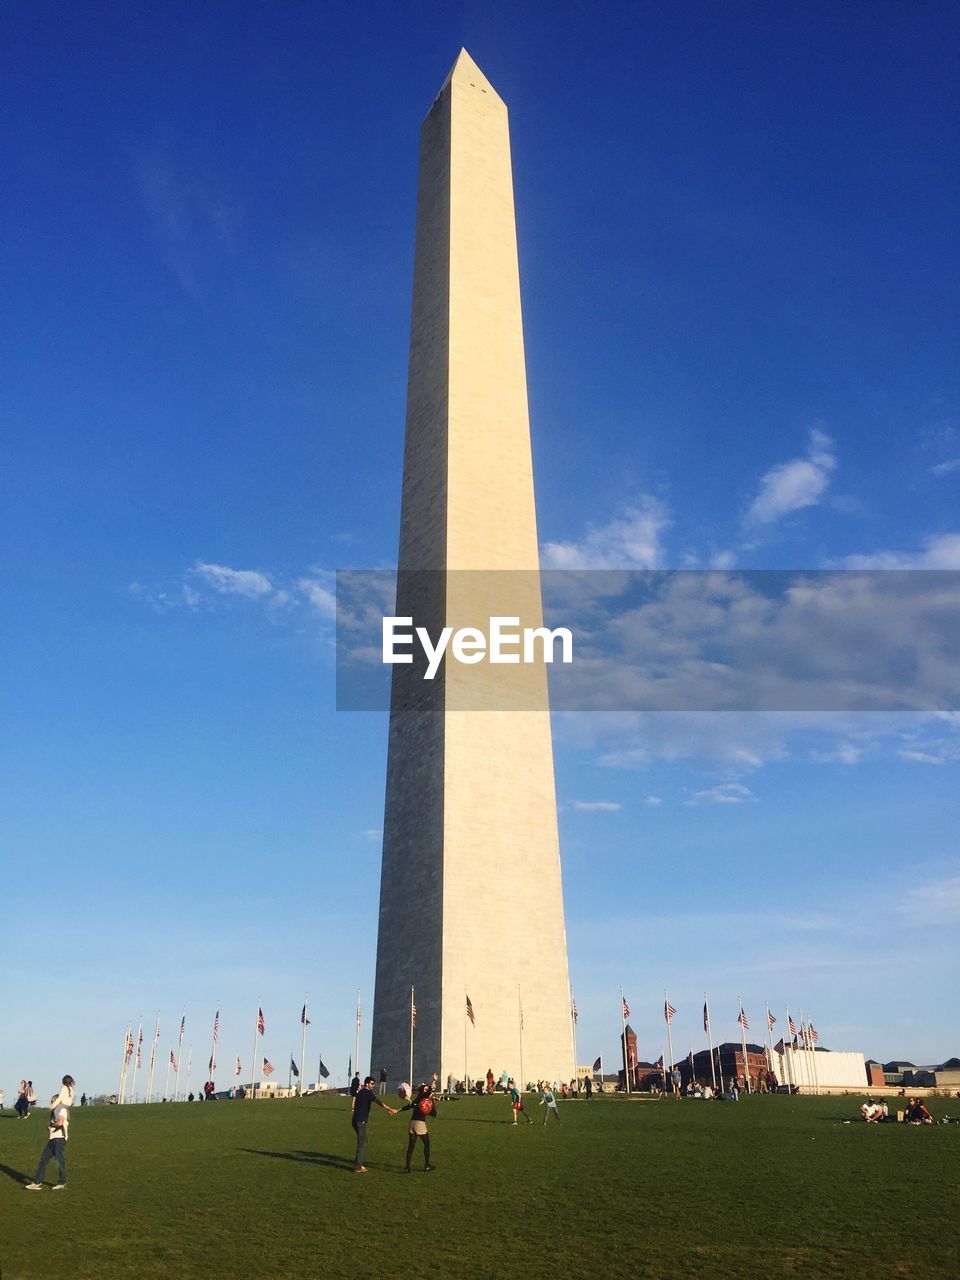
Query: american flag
{"points": [[521, 1017], [470, 1013], [598, 1065], [573, 1009], [129, 1045], [706, 1017], [359, 1015], [770, 1020], [743, 1020], [183, 1023], [237, 1070], [668, 1012], [267, 1067], [814, 1034], [173, 1061], [295, 1070], [303, 1016], [413, 1015], [626, 1007], [211, 1065], [792, 1025], [324, 1072], [804, 1035], [139, 1049], [659, 1063], [216, 1027], [779, 1047], [261, 1025]]}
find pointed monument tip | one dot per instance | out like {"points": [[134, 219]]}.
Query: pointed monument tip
{"points": [[465, 69]]}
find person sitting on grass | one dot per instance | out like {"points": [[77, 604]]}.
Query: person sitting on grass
{"points": [[917, 1113], [56, 1148], [871, 1111], [422, 1106]]}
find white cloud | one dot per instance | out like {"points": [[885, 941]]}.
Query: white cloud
{"points": [[939, 551], [921, 757], [321, 597], [723, 793], [629, 541], [846, 753], [653, 801], [722, 560], [792, 485], [935, 903], [946, 468], [249, 583], [372, 833], [597, 806]]}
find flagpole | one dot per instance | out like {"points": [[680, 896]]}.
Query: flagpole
{"points": [[356, 1056], [213, 1042], [290, 1072], [769, 1038], [412, 1028], [123, 1066], [153, 1055], [743, 1045], [709, 1031], [465, 998], [520, 1012], [303, 1046], [176, 1090], [189, 1065], [788, 1057], [253, 1059], [166, 1078], [623, 1031], [669, 1022], [136, 1060], [813, 1058], [663, 1068], [573, 1024]]}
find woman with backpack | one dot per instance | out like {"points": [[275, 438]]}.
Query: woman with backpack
{"points": [[423, 1106]]}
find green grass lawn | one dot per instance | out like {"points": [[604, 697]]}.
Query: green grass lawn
{"points": [[639, 1188]]}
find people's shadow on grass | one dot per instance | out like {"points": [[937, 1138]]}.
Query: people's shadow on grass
{"points": [[472, 1120], [15, 1174], [343, 1163]]}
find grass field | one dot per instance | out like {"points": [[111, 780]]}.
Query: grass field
{"points": [[637, 1188]]}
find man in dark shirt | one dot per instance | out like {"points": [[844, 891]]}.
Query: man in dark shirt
{"points": [[355, 1085], [362, 1102], [383, 1079]]}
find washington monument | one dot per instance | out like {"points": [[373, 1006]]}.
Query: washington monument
{"points": [[471, 906]]}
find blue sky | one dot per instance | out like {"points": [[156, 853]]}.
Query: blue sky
{"points": [[739, 286]]}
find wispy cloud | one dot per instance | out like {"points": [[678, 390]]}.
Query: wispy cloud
{"points": [[597, 806], [629, 541], [946, 468], [935, 903], [653, 801], [939, 551], [791, 486], [722, 793], [250, 583], [195, 220]]}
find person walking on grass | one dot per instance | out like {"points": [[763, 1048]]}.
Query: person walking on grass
{"points": [[56, 1148], [516, 1100], [548, 1101], [364, 1099], [423, 1107]]}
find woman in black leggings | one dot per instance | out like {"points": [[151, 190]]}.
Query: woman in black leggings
{"points": [[423, 1106]]}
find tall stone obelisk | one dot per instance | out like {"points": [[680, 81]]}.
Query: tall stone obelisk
{"points": [[470, 900]]}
